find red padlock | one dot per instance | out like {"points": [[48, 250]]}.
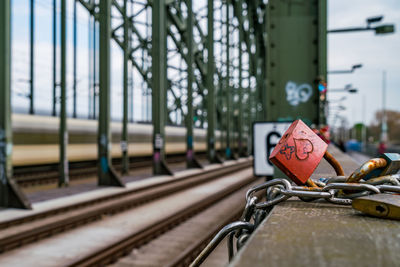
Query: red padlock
{"points": [[298, 152]]}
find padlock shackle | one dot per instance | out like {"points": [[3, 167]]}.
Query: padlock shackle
{"points": [[334, 163], [366, 168]]}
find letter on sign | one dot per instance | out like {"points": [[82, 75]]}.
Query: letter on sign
{"points": [[266, 136]]}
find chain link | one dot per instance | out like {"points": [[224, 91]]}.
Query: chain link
{"points": [[333, 189], [393, 179], [249, 209]]}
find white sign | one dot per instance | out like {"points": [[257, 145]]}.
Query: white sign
{"points": [[265, 137]]}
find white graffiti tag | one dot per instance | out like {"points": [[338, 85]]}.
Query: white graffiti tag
{"points": [[297, 94]]}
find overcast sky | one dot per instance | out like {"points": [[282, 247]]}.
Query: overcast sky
{"points": [[376, 53]]}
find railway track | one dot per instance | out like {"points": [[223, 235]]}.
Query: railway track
{"points": [[48, 174], [41, 224], [181, 244], [182, 220]]}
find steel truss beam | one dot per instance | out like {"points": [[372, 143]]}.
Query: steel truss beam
{"points": [[107, 174], [159, 83], [251, 34], [10, 194], [63, 132], [191, 161]]}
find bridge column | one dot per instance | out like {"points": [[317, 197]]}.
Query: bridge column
{"points": [[228, 89], [211, 109], [159, 86], [240, 149], [107, 174], [31, 56], [124, 138], [63, 132], [191, 161], [296, 59], [10, 195]]}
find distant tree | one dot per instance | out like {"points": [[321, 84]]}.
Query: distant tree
{"points": [[393, 123]]}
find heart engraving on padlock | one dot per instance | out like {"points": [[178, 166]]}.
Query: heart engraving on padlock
{"points": [[304, 148]]}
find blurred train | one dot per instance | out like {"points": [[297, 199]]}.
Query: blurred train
{"points": [[35, 140]]}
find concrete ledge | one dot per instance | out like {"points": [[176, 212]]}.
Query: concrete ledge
{"points": [[297, 233]]}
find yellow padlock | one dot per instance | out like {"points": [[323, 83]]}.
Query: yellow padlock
{"points": [[379, 205]]}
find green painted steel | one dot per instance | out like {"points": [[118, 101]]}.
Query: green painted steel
{"points": [[95, 69], [257, 23], [54, 56], [191, 161], [241, 151], [32, 58], [211, 109], [322, 57], [205, 71], [293, 60], [228, 87], [210, 83], [126, 51], [75, 43], [159, 86], [264, 65], [89, 66], [107, 174], [10, 195], [247, 38], [250, 120], [63, 132]]}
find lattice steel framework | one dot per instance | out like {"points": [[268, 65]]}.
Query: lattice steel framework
{"points": [[202, 63]]}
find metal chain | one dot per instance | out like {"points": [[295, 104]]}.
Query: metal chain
{"points": [[333, 189]]}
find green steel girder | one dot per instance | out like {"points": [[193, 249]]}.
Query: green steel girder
{"points": [[32, 58], [142, 71], [10, 194], [180, 24], [121, 9], [238, 12], [180, 47], [322, 56], [54, 57], [142, 40], [182, 29], [89, 5], [191, 161], [223, 113], [107, 174], [252, 36], [227, 88], [241, 151], [63, 132], [211, 110], [126, 50], [260, 58], [159, 86], [294, 71]]}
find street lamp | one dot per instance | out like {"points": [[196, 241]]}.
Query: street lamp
{"points": [[380, 29], [357, 66], [348, 88]]}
